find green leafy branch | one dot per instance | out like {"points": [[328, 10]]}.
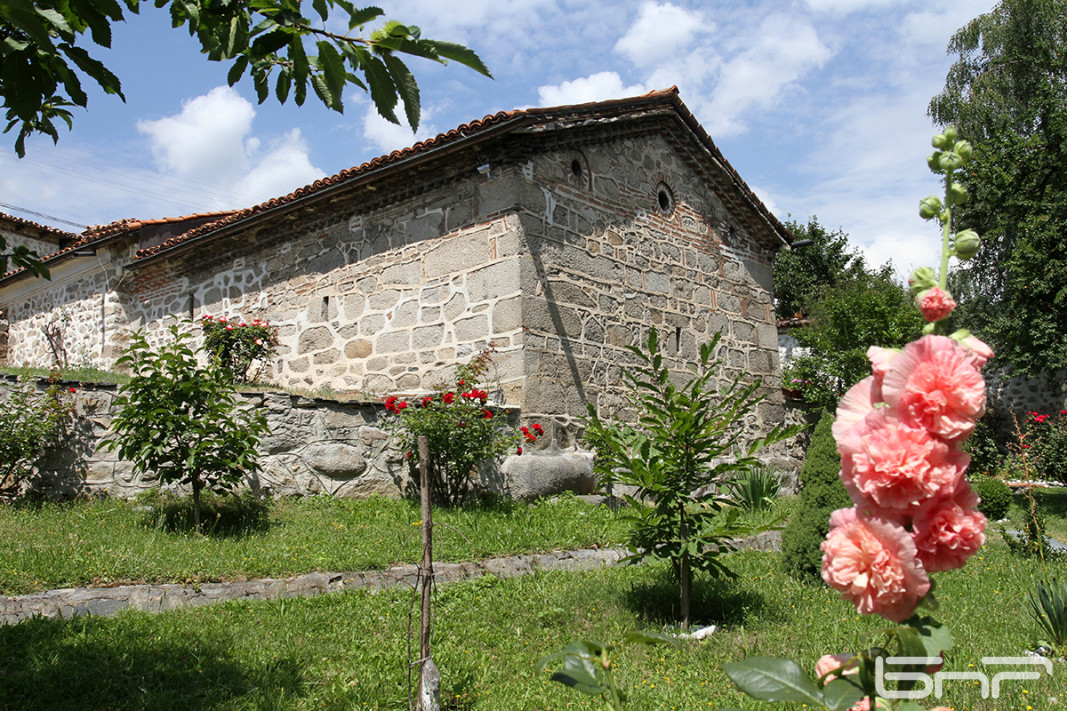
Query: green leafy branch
{"points": [[40, 58]]}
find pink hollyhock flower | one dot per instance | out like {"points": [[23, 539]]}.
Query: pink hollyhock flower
{"points": [[933, 384], [857, 403], [949, 532], [872, 562], [836, 665], [978, 351], [935, 304], [880, 358], [894, 469]]}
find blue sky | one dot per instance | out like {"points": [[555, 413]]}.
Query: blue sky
{"points": [[820, 105]]}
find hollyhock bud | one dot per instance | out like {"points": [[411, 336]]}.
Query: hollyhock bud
{"points": [[921, 279], [935, 304], [934, 161], [957, 194], [964, 150], [929, 207], [939, 141], [950, 136], [950, 161], [977, 351], [966, 244], [836, 665]]}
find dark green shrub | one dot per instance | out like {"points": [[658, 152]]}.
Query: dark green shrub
{"points": [[983, 447], [996, 497], [821, 493]]}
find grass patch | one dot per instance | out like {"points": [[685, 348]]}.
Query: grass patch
{"points": [[77, 375], [51, 545], [1052, 501], [347, 651]]}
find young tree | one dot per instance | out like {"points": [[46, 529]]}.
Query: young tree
{"points": [[42, 53], [686, 440], [1007, 94], [182, 421]]}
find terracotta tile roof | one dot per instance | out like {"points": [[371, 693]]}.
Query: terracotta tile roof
{"points": [[125, 225], [97, 235], [503, 121], [60, 234], [795, 322]]}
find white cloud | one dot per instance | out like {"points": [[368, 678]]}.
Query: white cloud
{"points": [[389, 137], [210, 142], [596, 87], [784, 49], [284, 168], [847, 6], [660, 33], [206, 138]]}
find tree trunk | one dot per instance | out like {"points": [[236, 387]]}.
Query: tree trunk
{"points": [[429, 677], [197, 486], [684, 573]]}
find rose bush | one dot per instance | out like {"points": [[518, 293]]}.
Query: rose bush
{"points": [[236, 344], [462, 428]]}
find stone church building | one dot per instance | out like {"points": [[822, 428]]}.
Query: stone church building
{"points": [[557, 235]]}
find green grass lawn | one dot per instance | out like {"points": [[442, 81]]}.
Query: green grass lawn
{"points": [[110, 541], [348, 650]]}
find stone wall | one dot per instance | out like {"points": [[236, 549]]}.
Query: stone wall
{"points": [[623, 236], [315, 446], [383, 299], [79, 316]]}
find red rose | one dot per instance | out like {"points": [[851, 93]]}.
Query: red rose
{"points": [[447, 398]]}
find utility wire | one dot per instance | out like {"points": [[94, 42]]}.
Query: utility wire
{"points": [[53, 218]]}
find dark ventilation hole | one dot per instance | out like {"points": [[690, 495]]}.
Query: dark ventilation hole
{"points": [[665, 199], [192, 306], [576, 168], [678, 339], [326, 308]]}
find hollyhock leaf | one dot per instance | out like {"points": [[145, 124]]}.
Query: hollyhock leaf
{"points": [[774, 680], [841, 694]]}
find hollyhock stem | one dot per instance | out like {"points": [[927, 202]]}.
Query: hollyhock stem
{"points": [[946, 229]]}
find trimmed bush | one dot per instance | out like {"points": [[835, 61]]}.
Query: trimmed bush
{"points": [[821, 493], [996, 497]]}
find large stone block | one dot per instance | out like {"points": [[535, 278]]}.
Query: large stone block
{"points": [[535, 474], [315, 339], [493, 281], [457, 254]]}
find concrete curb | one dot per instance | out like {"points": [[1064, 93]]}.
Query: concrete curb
{"points": [[105, 602]]}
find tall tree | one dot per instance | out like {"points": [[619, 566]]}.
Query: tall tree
{"points": [[803, 273], [1007, 94]]}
